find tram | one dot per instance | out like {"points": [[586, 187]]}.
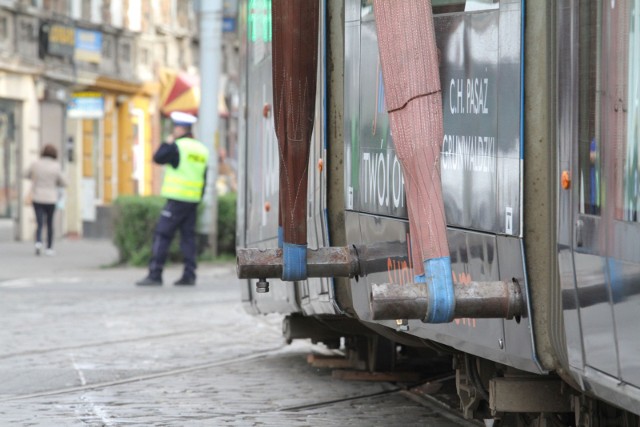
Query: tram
{"points": [[540, 186]]}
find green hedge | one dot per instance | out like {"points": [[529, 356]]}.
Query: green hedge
{"points": [[135, 219], [227, 223]]}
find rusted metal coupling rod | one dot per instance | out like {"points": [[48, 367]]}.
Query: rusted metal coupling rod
{"points": [[500, 300], [322, 262]]}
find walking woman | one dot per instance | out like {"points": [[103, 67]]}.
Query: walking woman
{"points": [[47, 179]]}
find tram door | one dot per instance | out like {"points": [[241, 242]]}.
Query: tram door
{"points": [[598, 119], [620, 191], [590, 237]]}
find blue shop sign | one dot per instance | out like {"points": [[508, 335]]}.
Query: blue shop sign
{"points": [[86, 105], [228, 25], [88, 45]]}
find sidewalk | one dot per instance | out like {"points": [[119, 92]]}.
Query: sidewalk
{"points": [[85, 259], [18, 259]]}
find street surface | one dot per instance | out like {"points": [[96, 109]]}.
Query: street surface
{"points": [[80, 345]]}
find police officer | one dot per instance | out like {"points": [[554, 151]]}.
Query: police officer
{"points": [[184, 180]]}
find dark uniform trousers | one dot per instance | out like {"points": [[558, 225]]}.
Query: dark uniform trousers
{"points": [[175, 215]]}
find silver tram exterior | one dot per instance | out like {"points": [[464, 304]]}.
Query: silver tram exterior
{"points": [[541, 184]]}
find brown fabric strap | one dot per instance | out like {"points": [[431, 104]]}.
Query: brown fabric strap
{"points": [[295, 68]]}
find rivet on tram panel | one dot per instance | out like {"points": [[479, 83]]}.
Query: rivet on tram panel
{"points": [[566, 180]]}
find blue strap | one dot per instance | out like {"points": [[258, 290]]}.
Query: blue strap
{"points": [[442, 301], [280, 236], [420, 278], [294, 258]]}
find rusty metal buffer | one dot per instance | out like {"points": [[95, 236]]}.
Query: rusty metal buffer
{"points": [[388, 301]]}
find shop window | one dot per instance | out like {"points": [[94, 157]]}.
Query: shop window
{"points": [[9, 140], [96, 159]]}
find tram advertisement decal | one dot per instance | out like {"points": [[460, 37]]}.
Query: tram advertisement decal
{"points": [[469, 54]]}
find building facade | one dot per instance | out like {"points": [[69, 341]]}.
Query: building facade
{"points": [[84, 75]]}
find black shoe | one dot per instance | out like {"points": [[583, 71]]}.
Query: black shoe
{"points": [[183, 281], [148, 281]]}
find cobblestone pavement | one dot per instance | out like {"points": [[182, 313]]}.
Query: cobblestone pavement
{"points": [[80, 345]]}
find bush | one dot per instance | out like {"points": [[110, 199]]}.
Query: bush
{"points": [[135, 219], [227, 224]]}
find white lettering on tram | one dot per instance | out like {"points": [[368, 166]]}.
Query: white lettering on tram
{"points": [[382, 179], [475, 101], [469, 153]]}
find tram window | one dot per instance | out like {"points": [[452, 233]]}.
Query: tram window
{"points": [[630, 153], [447, 6], [474, 5], [450, 6], [589, 98], [621, 111]]}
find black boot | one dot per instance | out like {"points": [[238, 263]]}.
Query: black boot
{"points": [[149, 281], [185, 281]]}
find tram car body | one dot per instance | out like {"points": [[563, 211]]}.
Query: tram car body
{"points": [[540, 181]]}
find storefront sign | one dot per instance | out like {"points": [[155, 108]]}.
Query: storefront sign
{"points": [[86, 105], [59, 40], [88, 45]]}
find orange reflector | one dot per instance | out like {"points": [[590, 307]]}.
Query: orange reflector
{"points": [[266, 110], [320, 165], [566, 180], [267, 206]]}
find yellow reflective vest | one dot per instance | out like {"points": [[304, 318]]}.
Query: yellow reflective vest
{"points": [[185, 183]]}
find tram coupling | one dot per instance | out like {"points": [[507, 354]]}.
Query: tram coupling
{"points": [[389, 301], [499, 299]]}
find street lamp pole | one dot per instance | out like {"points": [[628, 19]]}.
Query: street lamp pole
{"points": [[210, 16]]}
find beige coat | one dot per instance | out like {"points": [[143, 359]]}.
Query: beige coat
{"points": [[47, 178]]}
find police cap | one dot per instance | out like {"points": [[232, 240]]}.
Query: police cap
{"points": [[183, 119]]}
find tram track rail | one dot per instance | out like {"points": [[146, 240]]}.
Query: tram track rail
{"points": [[393, 388], [178, 371], [102, 343], [408, 391]]}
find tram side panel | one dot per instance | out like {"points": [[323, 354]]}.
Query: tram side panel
{"points": [[480, 166], [259, 194]]}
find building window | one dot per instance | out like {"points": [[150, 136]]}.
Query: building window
{"points": [[134, 15], [85, 10], [96, 11], [125, 52], [107, 47], [56, 6], [4, 28], [116, 13], [182, 13], [144, 56]]}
